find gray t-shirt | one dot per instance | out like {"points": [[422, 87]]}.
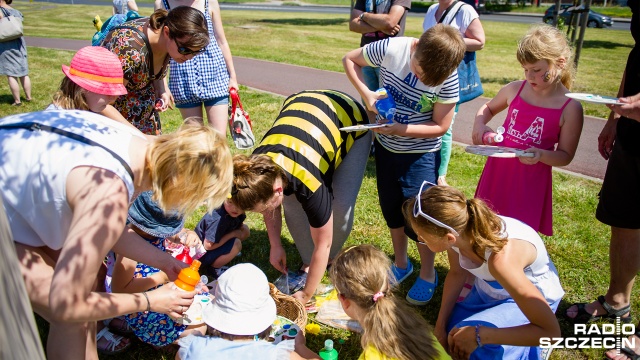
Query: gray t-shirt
{"points": [[381, 7]]}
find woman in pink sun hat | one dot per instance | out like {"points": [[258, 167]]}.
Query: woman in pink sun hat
{"points": [[92, 82]]}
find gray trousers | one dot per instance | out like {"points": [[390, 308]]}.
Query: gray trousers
{"points": [[346, 185]]}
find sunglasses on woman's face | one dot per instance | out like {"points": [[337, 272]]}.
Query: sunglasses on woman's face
{"points": [[183, 50], [417, 210]]}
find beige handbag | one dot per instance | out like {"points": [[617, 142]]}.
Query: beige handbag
{"points": [[10, 26]]}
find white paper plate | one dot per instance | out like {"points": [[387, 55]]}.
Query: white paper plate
{"points": [[596, 99], [363, 127], [497, 151]]}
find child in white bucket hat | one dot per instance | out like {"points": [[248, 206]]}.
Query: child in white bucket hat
{"points": [[239, 321]]}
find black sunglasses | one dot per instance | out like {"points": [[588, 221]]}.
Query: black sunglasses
{"points": [[183, 50]]}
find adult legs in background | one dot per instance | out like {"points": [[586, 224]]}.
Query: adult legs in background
{"points": [[216, 110], [26, 86], [191, 112], [346, 185], [618, 208], [624, 264], [218, 115], [15, 89]]}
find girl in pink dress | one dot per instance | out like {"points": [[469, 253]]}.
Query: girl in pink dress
{"points": [[540, 120]]}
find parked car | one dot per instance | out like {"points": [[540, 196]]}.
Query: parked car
{"points": [[595, 19]]}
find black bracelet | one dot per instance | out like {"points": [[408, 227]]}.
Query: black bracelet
{"points": [[149, 305]]}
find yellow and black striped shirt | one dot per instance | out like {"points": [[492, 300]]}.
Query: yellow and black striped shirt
{"points": [[306, 142]]}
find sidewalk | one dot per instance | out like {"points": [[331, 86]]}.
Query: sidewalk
{"points": [[284, 79]]}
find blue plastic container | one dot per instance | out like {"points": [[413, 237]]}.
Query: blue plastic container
{"points": [[386, 106]]}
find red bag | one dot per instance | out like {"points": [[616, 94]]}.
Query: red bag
{"points": [[240, 123]]}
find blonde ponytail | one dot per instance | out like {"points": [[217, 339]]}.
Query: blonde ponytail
{"points": [[362, 274]]}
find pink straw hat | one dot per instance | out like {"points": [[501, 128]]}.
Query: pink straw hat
{"points": [[98, 70]]}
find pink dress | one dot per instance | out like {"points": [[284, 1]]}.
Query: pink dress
{"points": [[516, 190]]}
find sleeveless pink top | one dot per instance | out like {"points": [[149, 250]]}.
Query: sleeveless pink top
{"points": [[516, 190]]}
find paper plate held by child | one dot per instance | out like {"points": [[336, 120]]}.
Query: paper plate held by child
{"points": [[595, 99], [497, 151]]}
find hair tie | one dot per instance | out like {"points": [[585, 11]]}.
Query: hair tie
{"points": [[468, 202], [377, 296]]}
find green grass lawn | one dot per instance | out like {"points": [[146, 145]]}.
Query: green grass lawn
{"points": [[579, 247], [320, 41]]}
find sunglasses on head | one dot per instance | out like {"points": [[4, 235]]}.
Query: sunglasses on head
{"points": [[183, 50], [417, 210]]}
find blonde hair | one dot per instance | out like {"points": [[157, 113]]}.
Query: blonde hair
{"points": [[189, 168], [70, 96], [389, 324], [439, 51], [545, 42], [253, 179], [471, 217]]}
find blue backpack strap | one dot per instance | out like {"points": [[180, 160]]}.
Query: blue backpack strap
{"points": [[34, 126]]}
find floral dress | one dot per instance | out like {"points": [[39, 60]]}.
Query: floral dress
{"points": [[153, 328], [138, 105]]}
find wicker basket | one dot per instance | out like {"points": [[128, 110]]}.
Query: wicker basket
{"points": [[288, 307]]}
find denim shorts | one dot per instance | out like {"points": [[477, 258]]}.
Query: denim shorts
{"points": [[399, 177], [222, 100]]}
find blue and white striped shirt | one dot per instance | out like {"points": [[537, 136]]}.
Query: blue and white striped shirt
{"points": [[414, 100]]}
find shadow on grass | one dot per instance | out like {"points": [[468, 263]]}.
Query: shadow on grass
{"points": [[599, 44], [6, 99], [305, 22]]}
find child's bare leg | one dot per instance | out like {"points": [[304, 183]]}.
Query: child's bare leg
{"points": [[427, 260], [225, 259], [400, 244]]}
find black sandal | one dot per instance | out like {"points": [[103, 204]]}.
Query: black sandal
{"points": [[630, 353], [583, 317]]}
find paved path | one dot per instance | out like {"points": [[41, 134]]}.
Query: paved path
{"points": [[286, 79]]}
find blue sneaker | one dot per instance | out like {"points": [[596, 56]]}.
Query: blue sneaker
{"points": [[401, 274], [422, 291]]}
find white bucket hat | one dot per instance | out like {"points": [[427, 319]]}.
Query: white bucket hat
{"points": [[242, 304]]}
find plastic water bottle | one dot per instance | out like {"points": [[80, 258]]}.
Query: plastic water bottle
{"points": [[386, 106], [490, 137], [184, 256], [188, 277], [328, 352]]}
